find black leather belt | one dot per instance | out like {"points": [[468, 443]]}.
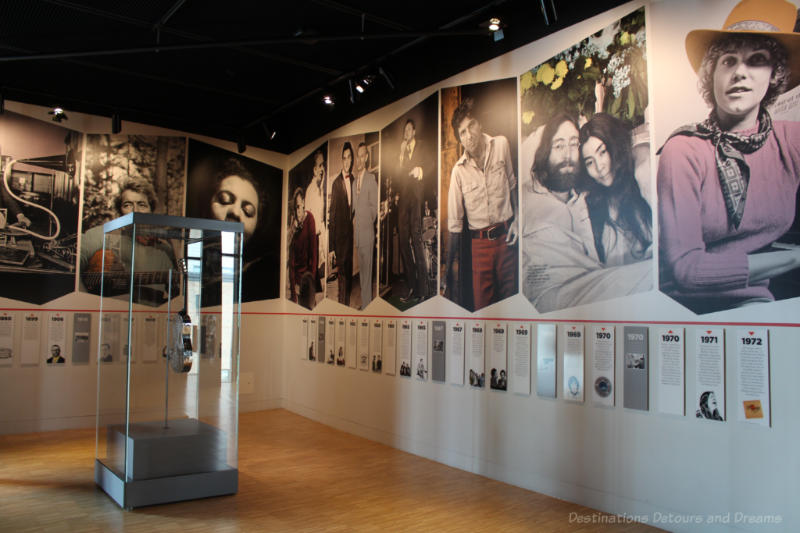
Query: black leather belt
{"points": [[493, 232]]}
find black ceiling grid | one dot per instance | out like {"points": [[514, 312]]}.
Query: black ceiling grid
{"points": [[235, 69]]}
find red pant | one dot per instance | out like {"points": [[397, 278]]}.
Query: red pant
{"points": [[494, 271]]}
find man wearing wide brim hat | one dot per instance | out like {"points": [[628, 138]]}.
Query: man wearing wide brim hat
{"points": [[727, 185], [773, 18]]}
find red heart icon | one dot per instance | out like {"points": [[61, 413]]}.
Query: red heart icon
{"points": [[752, 332]]}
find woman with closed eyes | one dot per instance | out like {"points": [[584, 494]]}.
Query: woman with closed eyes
{"points": [[620, 216], [237, 197]]}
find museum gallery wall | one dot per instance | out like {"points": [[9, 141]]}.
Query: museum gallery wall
{"points": [[573, 380], [531, 236]]}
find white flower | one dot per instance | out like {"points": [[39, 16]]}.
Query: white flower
{"points": [[621, 80]]}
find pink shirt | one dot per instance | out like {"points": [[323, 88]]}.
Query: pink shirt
{"points": [[701, 255]]}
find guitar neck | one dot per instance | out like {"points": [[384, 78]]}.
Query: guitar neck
{"points": [[139, 278]]}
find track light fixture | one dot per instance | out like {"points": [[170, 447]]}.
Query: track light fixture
{"points": [[494, 23], [270, 133], [116, 123], [58, 114], [328, 100], [350, 91], [364, 82]]}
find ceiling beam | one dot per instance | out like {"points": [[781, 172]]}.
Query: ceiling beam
{"points": [[161, 79], [109, 15], [336, 6], [376, 62], [168, 15], [256, 42]]}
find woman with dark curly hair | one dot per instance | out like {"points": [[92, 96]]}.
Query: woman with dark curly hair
{"points": [[727, 185], [620, 216]]}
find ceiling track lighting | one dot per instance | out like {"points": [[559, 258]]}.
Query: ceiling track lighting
{"points": [[328, 100], [270, 133], [58, 114], [364, 82], [350, 91], [495, 25]]}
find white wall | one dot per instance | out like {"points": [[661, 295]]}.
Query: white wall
{"points": [[668, 470]]}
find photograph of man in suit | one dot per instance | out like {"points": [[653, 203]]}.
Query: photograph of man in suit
{"points": [[365, 214], [341, 224], [315, 204], [409, 206], [55, 355], [409, 182]]}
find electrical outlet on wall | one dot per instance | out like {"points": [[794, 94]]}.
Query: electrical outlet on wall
{"points": [[246, 383]]}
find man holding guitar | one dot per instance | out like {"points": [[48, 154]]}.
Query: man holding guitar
{"points": [[154, 257]]}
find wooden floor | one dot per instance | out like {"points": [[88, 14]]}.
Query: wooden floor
{"points": [[294, 475]]}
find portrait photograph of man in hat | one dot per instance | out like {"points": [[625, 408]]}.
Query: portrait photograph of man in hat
{"points": [[727, 183]]}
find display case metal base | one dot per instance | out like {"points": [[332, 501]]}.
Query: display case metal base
{"points": [[139, 493]]}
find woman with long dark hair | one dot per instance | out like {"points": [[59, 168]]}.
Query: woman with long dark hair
{"points": [[621, 217]]}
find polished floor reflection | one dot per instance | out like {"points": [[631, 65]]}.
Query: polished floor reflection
{"points": [[294, 475]]}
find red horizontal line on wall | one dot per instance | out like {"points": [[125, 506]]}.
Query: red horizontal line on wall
{"points": [[432, 317], [546, 320]]}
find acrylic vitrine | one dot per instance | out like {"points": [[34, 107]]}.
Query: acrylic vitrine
{"points": [[168, 358]]}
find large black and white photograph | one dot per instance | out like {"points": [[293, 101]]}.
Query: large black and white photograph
{"points": [[587, 229], [353, 164], [728, 174], [130, 174], [40, 166], [480, 207], [307, 229], [409, 256], [225, 186]]}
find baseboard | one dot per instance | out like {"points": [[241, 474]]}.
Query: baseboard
{"points": [[628, 510]]}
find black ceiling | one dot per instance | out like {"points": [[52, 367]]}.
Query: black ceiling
{"points": [[240, 69]]}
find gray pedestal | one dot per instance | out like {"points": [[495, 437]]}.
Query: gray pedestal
{"points": [[185, 461]]}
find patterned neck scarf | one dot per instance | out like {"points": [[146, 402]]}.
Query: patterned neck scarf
{"points": [[729, 150]]}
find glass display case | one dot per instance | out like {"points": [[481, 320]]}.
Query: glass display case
{"points": [[168, 358]]}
